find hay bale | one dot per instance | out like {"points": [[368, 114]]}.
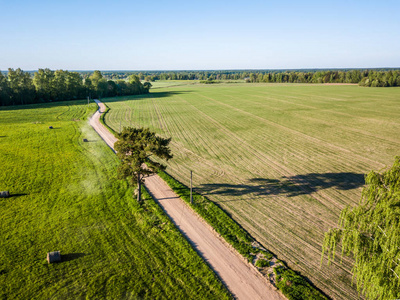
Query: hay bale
{"points": [[85, 140], [53, 257], [50, 127], [4, 194]]}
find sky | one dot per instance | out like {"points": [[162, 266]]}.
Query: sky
{"points": [[199, 35]]}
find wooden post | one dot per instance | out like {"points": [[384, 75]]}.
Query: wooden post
{"points": [[88, 101], [191, 187]]}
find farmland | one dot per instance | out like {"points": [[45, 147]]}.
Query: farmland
{"points": [[282, 160], [65, 196]]}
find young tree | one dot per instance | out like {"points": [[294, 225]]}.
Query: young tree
{"points": [[135, 148], [371, 233]]}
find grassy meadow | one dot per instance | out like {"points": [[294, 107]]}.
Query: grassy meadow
{"points": [[65, 196], [282, 159]]}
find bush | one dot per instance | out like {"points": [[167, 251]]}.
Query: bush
{"points": [[268, 255], [261, 263], [296, 287]]}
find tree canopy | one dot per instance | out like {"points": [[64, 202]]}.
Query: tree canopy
{"points": [[364, 77], [19, 87], [135, 148], [371, 233]]}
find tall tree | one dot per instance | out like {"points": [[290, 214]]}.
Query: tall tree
{"points": [[371, 233], [43, 80], [4, 91], [136, 148], [21, 86]]}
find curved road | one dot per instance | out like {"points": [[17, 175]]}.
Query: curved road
{"points": [[241, 278]]}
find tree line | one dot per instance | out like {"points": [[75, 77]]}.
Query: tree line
{"points": [[18, 87], [367, 77]]}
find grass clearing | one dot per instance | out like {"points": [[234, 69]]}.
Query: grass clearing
{"points": [[281, 159], [65, 196]]}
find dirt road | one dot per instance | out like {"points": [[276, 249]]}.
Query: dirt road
{"points": [[242, 279]]}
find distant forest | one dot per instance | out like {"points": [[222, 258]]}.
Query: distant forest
{"points": [[18, 87], [367, 77]]}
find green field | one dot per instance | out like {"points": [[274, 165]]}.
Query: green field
{"points": [[65, 196], [283, 160]]}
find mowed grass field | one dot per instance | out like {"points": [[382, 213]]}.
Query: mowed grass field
{"points": [[283, 160], [65, 196]]}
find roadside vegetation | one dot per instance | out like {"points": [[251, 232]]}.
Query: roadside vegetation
{"points": [[65, 196], [281, 159]]}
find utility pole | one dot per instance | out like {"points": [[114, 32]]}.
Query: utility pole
{"points": [[191, 187]]}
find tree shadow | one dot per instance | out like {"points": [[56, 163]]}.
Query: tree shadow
{"points": [[16, 195], [71, 256], [83, 102], [291, 186], [151, 95]]}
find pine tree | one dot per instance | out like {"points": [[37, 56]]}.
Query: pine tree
{"points": [[135, 147]]}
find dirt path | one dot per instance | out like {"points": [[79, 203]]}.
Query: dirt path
{"points": [[242, 279]]}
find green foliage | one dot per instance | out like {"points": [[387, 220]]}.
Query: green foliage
{"points": [[371, 233], [137, 146], [65, 196], [47, 86], [261, 263], [210, 81], [268, 255], [295, 286]]}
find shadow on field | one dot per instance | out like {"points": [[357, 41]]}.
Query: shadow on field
{"points": [[289, 186], [71, 256], [152, 95], [17, 195]]}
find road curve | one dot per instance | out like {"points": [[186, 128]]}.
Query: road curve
{"points": [[241, 278]]}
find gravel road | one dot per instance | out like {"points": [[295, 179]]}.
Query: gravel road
{"points": [[241, 278]]}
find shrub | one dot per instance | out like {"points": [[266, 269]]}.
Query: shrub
{"points": [[261, 263]]}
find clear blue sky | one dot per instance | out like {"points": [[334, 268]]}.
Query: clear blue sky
{"points": [[176, 35]]}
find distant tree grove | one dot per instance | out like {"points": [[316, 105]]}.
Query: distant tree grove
{"points": [[373, 77], [19, 87]]}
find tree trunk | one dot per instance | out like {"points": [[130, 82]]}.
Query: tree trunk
{"points": [[139, 184]]}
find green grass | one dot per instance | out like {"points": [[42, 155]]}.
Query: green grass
{"points": [[281, 159], [65, 198]]}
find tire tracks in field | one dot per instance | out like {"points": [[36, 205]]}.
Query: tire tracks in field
{"points": [[262, 156], [336, 124], [277, 167], [297, 132]]}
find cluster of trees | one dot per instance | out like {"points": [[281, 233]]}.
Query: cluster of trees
{"points": [[19, 87], [372, 77], [362, 77]]}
